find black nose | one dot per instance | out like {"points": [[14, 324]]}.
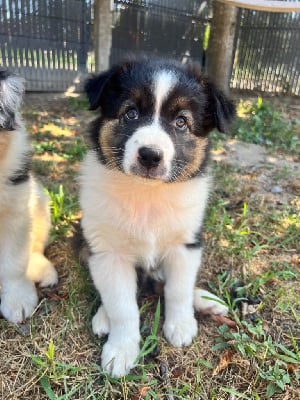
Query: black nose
{"points": [[149, 157]]}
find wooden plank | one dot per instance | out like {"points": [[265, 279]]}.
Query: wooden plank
{"points": [[265, 5]]}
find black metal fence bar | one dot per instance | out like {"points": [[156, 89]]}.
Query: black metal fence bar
{"points": [[267, 52]]}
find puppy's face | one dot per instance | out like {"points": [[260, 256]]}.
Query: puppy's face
{"points": [[11, 92], [155, 117]]}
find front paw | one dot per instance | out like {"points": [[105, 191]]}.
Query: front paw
{"points": [[18, 300], [180, 332], [100, 322], [208, 303], [117, 359], [41, 270]]}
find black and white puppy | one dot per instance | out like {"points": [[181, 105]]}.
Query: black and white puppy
{"points": [[144, 188], [24, 211]]}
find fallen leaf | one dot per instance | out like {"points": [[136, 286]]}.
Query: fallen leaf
{"points": [[223, 363], [141, 393], [177, 372], [220, 320]]}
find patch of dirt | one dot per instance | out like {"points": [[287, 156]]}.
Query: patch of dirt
{"points": [[276, 178]]}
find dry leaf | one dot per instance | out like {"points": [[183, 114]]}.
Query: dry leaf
{"points": [[220, 320], [141, 393], [223, 363]]}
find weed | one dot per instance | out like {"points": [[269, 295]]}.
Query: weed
{"points": [[150, 343], [79, 103], [273, 360], [74, 151], [262, 124], [64, 208]]}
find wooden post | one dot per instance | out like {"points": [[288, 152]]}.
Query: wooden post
{"points": [[102, 34], [221, 44]]}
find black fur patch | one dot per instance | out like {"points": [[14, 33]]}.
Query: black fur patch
{"points": [[21, 175], [9, 124], [197, 244]]}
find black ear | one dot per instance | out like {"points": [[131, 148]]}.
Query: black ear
{"points": [[224, 109], [219, 109], [94, 88]]}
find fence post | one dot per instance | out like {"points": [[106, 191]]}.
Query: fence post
{"points": [[221, 44], [103, 34]]}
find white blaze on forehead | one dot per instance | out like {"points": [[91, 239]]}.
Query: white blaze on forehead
{"points": [[164, 81]]}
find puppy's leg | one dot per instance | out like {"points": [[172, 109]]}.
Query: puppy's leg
{"points": [[18, 293], [100, 322], [114, 276], [180, 269], [40, 269], [207, 303]]}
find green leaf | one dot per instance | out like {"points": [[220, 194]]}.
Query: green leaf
{"points": [[272, 388], [50, 351], [44, 381]]}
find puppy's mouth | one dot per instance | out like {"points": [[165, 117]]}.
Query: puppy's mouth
{"points": [[149, 173]]}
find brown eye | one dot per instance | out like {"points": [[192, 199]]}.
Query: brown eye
{"points": [[181, 123], [131, 114]]}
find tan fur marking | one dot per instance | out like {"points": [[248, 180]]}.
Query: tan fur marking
{"points": [[197, 158], [105, 142], [5, 139]]}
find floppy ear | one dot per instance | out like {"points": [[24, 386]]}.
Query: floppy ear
{"points": [[221, 107], [97, 84], [94, 88], [220, 110]]}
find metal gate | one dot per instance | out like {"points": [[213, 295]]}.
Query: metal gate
{"points": [[47, 42]]}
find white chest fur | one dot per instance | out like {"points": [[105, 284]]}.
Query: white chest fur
{"points": [[138, 217]]}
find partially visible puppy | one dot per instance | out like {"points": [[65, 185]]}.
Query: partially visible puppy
{"points": [[144, 189], [24, 212]]}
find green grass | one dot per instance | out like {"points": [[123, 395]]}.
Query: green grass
{"points": [[260, 123], [64, 208]]}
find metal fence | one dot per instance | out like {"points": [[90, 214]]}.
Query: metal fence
{"points": [[45, 41], [49, 42], [267, 52], [172, 28]]}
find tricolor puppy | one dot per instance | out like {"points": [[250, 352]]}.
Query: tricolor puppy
{"points": [[144, 188], [24, 212]]}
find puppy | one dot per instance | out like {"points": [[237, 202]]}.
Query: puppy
{"points": [[144, 188], [24, 212]]}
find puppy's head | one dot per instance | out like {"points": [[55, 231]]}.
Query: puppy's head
{"points": [[11, 93], [155, 117]]}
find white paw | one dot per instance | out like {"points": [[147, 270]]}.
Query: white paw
{"points": [[41, 270], [18, 300], [100, 322], [180, 332], [118, 358], [49, 277], [208, 303]]}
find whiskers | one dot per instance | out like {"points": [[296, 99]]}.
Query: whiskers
{"points": [[112, 156], [181, 171]]}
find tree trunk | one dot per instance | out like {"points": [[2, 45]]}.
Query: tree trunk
{"points": [[103, 34], [221, 42]]}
